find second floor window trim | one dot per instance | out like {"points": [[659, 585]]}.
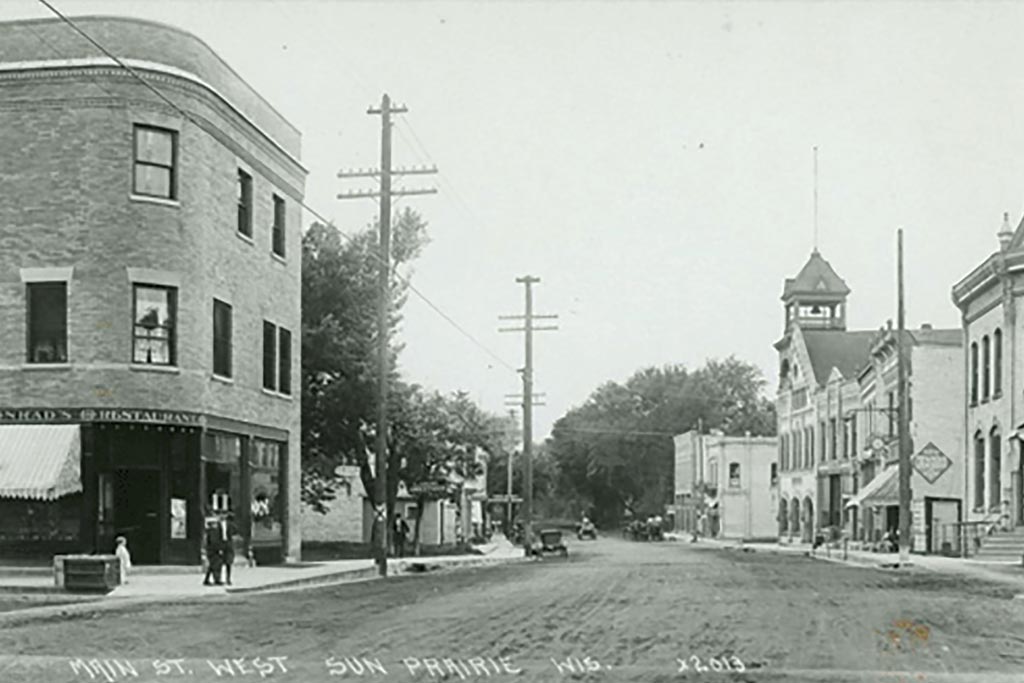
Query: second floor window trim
{"points": [[46, 322], [153, 325]]}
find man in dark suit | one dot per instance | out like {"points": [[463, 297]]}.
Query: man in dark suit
{"points": [[214, 551]]}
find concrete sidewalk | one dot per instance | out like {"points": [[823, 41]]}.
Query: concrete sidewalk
{"points": [[1002, 572], [187, 582]]}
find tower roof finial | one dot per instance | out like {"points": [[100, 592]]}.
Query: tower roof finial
{"points": [[1005, 234], [815, 251]]}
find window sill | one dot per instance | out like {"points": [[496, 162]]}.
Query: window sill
{"points": [[222, 378], [245, 238], [46, 366], [146, 199], [150, 367], [984, 401], [280, 259], [996, 396], [277, 394]]}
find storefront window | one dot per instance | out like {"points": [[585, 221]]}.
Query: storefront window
{"points": [[222, 453], [265, 478]]}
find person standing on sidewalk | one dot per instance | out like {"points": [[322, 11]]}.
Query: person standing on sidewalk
{"points": [[401, 533], [214, 551], [229, 531]]}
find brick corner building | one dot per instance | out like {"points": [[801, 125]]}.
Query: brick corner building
{"points": [[149, 295]]}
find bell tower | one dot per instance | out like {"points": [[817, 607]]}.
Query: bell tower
{"points": [[816, 297]]}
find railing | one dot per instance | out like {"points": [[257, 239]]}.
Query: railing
{"points": [[968, 535]]}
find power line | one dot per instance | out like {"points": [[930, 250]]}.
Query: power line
{"points": [[135, 74], [623, 432]]}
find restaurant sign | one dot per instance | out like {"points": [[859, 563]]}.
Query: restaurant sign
{"points": [[931, 463], [72, 415]]}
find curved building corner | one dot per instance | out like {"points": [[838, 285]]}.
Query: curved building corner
{"points": [[149, 297]]}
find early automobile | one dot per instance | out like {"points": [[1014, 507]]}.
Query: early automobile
{"points": [[586, 529], [550, 542]]}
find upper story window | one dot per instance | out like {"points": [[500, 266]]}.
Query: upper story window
{"points": [[734, 475], [891, 412], [800, 399], [269, 356], [284, 361], [244, 203], [277, 358], [997, 365], [155, 160], [986, 368], [47, 322], [774, 474], [221, 338], [153, 334], [974, 373], [277, 245]]}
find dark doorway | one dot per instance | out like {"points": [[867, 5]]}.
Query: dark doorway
{"points": [[137, 513], [835, 500]]}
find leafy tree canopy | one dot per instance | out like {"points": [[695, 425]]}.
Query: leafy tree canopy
{"points": [[615, 452]]}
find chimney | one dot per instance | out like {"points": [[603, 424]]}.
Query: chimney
{"points": [[1005, 234]]}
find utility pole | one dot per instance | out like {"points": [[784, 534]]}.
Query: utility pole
{"points": [[527, 373], [511, 453], [384, 173], [904, 436]]}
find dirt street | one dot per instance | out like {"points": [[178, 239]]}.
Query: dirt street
{"points": [[615, 611]]}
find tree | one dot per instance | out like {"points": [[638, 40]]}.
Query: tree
{"points": [[615, 452], [437, 443], [340, 286]]}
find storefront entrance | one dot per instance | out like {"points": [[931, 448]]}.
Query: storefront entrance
{"points": [[136, 511], [941, 518]]}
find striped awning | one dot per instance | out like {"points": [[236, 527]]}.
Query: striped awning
{"points": [[882, 490], [40, 462]]}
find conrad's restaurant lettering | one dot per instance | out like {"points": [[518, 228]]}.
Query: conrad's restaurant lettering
{"points": [[130, 415]]}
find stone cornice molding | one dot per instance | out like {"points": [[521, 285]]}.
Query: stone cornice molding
{"points": [[159, 73]]}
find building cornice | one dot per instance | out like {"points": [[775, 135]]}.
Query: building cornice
{"points": [[985, 275], [51, 68]]}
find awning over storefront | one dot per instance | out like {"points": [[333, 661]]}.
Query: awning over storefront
{"points": [[882, 490], [39, 462]]}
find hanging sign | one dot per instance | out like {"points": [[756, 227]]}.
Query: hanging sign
{"points": [[931, 463]]}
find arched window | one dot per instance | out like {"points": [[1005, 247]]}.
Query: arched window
{"points": [[979, 471], [997, 366], [974, 373], [994, 470], [986, 362]]}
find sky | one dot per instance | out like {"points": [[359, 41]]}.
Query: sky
{"points": [[652, 163]]}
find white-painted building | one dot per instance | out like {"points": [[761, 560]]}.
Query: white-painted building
{"points": [[739, 472]]}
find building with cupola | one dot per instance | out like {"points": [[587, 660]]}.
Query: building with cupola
{"points": [[818, 364]]}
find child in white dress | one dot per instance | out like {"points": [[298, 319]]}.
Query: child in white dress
{"points": [[125, 557]]}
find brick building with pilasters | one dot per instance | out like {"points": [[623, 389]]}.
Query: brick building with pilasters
{"points": [[149, 295]]}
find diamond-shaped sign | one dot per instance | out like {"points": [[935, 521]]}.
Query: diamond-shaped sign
{"points": [[931, 463]]}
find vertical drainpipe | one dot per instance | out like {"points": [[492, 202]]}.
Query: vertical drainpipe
{"points": [[968, 455], [1007, 360]]}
